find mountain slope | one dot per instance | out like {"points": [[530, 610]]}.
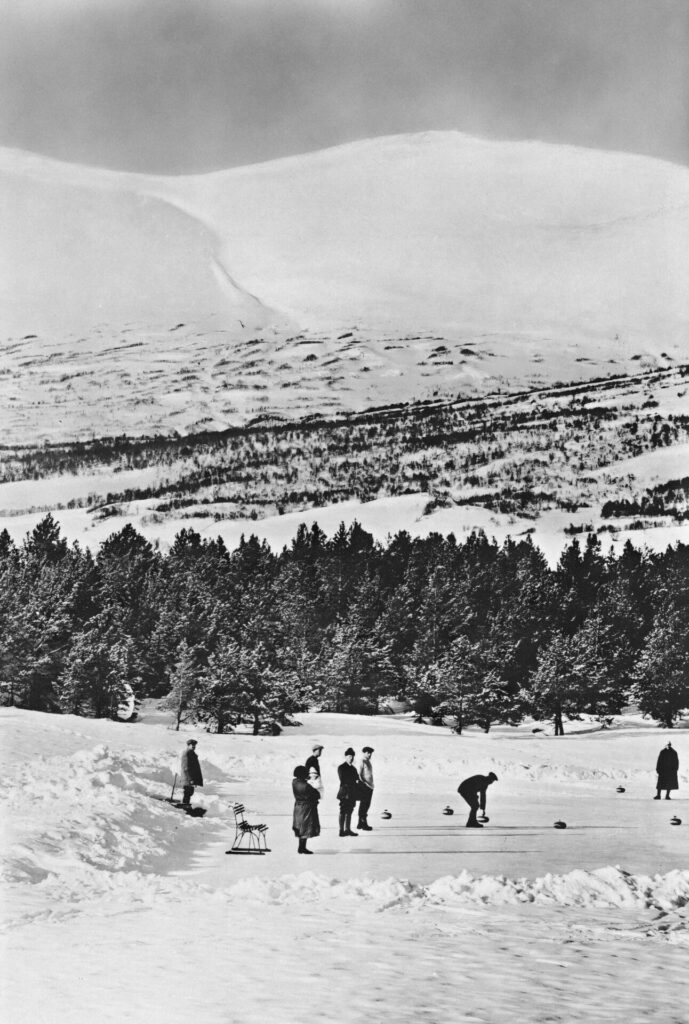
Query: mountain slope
{"points": [[442, 231], [382, 271]]}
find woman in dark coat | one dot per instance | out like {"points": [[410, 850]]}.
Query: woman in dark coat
{"points": [[667, 767], [305, 821]]}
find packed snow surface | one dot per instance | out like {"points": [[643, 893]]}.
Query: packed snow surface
{"points": [[118, 907]]}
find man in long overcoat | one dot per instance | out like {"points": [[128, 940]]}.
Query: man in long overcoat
{"points": [[190, 772], [667, 767]]}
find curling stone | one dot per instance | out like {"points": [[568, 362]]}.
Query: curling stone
{"points": [[560, 824], [484, 818], [675, 820], [386, 814], [621, 789], [448, 810]]}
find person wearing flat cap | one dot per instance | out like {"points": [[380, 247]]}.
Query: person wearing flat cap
{"points": [[348, 793], [190, 772], [313, 768], [313, 761], [365, 788]]}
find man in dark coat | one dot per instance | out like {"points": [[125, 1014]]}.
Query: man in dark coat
{"points": [[305, 821], [313, 760], [348, 792], [473, 790], [667, 767], [190, 772]]}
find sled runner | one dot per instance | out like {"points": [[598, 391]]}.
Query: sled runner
{"points": [[255, 835]]}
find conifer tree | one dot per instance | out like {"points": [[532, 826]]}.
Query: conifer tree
{"points": [[184, 679], [661, 686], [101, 669]]}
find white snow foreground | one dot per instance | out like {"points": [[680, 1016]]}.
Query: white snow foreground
{"points": [[119, 907]]}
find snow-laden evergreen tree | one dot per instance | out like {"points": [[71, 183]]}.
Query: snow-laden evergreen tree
{"points": [[661, 685], [557, 688], [356, 669], [242, 684], [184, 679], [101, 669], [466, 685], [46, 592]]}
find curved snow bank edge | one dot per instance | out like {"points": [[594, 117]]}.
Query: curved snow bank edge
{"points": [[604, 887]]}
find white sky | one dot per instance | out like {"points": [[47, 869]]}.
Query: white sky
{"points": [[173, 85]]}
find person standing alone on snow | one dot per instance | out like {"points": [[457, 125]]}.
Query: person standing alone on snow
{"points": [[190, 772], [667, 767], [473, 790], [365, 788], [348, 793]]}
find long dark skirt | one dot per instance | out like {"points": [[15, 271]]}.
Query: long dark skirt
{"points": [[305, 821]]}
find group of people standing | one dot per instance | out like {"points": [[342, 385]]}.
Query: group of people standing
{"points": [[356, 786]]}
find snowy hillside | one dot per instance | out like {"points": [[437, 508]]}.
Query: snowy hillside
{"points": [[609, 458], [376, 272], [118, 908]]}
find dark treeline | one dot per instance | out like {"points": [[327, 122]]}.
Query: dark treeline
{"points": [[470, 633]]}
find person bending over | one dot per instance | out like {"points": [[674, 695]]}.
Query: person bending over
{"points": [[473, 790]]}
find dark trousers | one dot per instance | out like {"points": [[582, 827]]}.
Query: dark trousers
{"points": [[346, 808], [364, 803], [474, 803], [187, 794]]}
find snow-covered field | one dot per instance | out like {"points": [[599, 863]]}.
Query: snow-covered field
{"points": [[120, 908]]}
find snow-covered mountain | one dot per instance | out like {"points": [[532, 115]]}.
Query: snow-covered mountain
{"points": [[451, 264]]}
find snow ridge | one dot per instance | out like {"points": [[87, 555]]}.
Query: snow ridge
{"points": [[603, 887]]}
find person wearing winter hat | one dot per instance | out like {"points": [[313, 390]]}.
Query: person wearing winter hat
{"points": [[473, 790], [348, 792], [365, 788], [313, 760], [190, 772], [313, 767], [305, 822]]}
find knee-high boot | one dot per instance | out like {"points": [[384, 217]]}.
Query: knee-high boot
{"points": [[342, 823], [348, 825]]}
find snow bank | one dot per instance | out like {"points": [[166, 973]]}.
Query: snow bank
{"points": [[605, 887], [93, 808]]}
